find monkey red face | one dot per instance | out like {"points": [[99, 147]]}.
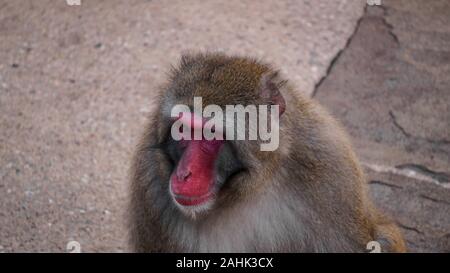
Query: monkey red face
{"points": [[193, 180]]}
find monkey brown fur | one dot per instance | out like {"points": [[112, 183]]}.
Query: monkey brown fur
{"points": [[310, 195]]}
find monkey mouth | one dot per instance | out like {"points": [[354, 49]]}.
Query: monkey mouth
{"points": [[192, 200]]}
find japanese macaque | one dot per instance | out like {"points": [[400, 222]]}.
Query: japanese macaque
{"points": [[309, 195]]}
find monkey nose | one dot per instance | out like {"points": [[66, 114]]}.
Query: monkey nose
{"points": [[183, 175]]}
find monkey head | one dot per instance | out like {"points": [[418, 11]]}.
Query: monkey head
{"points": [[202, 174]]}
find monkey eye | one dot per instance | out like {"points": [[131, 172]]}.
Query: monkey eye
{"points": [[211, 146], [173, 149]]}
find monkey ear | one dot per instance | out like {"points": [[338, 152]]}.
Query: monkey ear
{"points": [[269, 90]]}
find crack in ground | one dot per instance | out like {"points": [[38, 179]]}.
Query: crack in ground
{"points": [[408, 135], [442, 177], [409, 228], [397, 125], [434, 199], [390, 30], [377, 182], [338, 55], [402, 172], [388, 25]]}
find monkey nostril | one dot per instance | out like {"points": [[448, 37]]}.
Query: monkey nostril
{"points": [[184, 175]]}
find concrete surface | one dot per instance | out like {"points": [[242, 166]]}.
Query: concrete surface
{"points": [[391, 89], [76, 83]]}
